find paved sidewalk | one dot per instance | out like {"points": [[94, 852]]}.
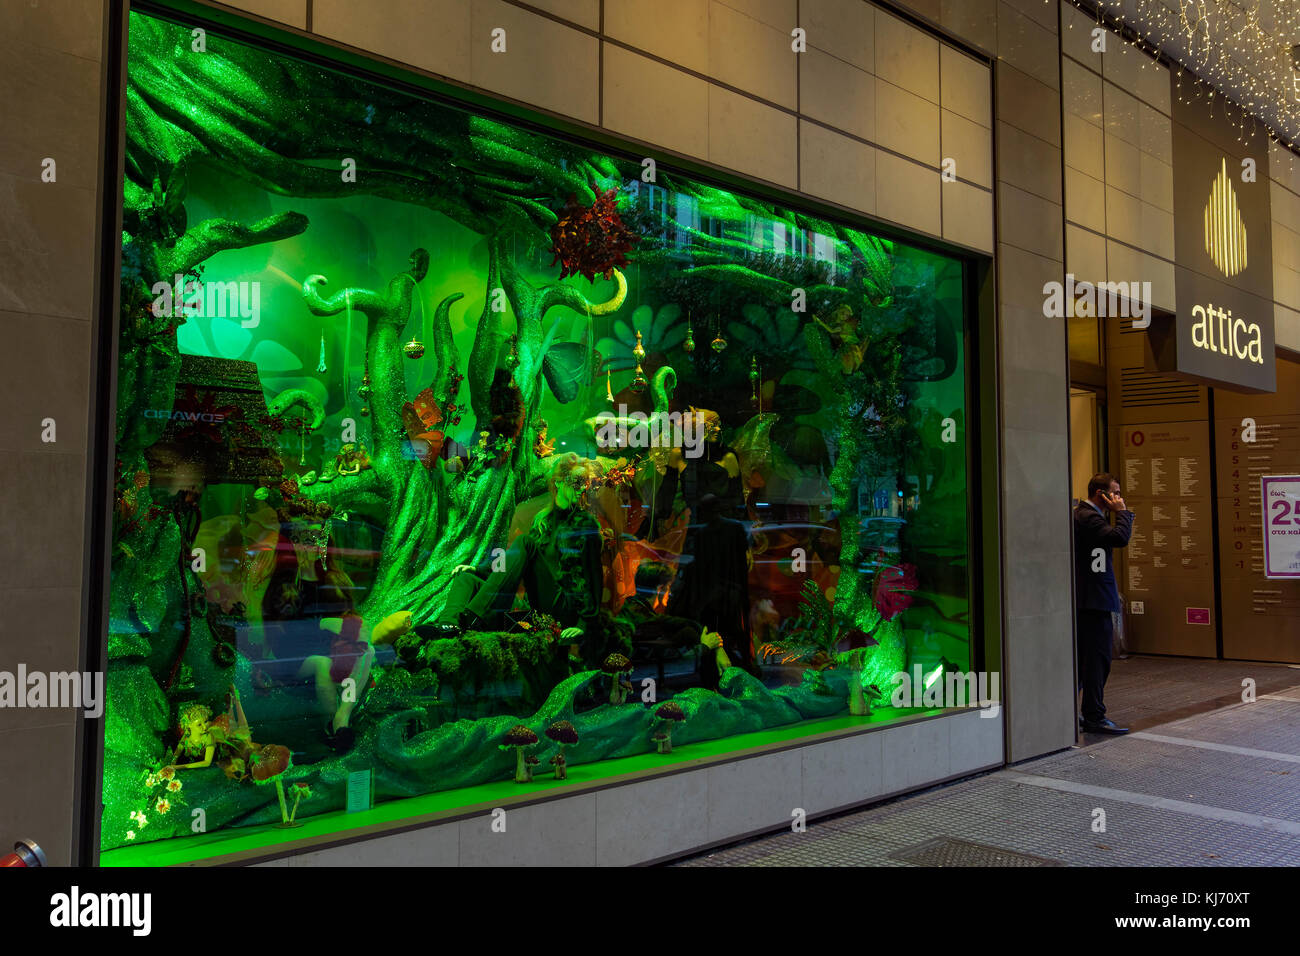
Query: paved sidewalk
{"points": [[1144, 692], [1220, 787]]}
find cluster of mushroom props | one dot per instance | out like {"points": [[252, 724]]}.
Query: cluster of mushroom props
{"points": [[668, 714], [521, 738], [616, 665], [564, 734]]}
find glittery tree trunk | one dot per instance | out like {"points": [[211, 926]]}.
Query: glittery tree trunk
{"points": [[434, 519]]}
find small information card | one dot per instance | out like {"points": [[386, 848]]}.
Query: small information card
{"points": [[361, 791]]}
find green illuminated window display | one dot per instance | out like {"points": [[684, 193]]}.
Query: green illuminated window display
{"points": [[457, 452]]}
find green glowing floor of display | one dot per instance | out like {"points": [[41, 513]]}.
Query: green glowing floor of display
{"points": [[324, 828]]}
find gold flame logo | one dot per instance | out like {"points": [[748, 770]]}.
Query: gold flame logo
{"points": [[1225, 232]]}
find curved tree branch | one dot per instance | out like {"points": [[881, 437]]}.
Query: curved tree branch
{"points": [[386, 316], [217, 235]]}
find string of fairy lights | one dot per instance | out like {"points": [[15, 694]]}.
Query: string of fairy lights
{"points": [[1242, 50]]}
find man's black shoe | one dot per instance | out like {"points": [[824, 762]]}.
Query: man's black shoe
{"points": [[1106, 726]]}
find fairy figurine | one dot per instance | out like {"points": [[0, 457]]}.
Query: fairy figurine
{"points": [[227, 741]]}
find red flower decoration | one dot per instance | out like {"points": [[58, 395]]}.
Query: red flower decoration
{"points": [[591, 240], [891, 593]]}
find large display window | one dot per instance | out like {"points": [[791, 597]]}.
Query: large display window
{"points": [[455, 459]]}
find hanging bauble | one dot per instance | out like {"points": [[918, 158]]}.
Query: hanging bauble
{"points": [[609, 388], [689, 345], [718, 344], [365, 412], [639, 382], [753, 370], [413, 349], [638, 352], [320, 365]]}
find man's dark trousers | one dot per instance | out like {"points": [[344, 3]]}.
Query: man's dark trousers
{"points": [[1094, 639]]}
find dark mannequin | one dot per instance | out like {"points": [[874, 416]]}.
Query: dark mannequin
{"points": [[713, 585], [703, 467]]}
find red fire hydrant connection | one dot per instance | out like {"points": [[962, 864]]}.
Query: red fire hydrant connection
{"points": [[26, 853]]}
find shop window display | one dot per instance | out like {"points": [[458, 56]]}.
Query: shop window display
{"points": [[457, 452]]}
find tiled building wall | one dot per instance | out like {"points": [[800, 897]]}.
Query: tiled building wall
{"points": [[1284, 195], [50, 85], [1119, 173]]}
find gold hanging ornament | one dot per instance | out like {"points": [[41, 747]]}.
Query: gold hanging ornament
{"points": [[414, 349], [719, 343], [639, 382], [689, 345]]}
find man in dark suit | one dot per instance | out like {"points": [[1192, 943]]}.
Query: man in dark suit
{"points": [[1095, 594]]}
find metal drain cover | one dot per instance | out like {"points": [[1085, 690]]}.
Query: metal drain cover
{"points": [[947, 851]]}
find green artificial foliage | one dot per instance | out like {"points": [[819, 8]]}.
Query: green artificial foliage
{"points": [[817, 635], [478, 659]]}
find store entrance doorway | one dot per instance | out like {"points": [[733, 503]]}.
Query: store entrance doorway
{"points": [[1087, 448]]}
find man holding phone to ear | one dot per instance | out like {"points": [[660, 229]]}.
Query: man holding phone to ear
{"points": [[1095, 593]]}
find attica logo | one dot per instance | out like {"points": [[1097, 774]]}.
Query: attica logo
{"points": [[179, 416], [1225, 231]]}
